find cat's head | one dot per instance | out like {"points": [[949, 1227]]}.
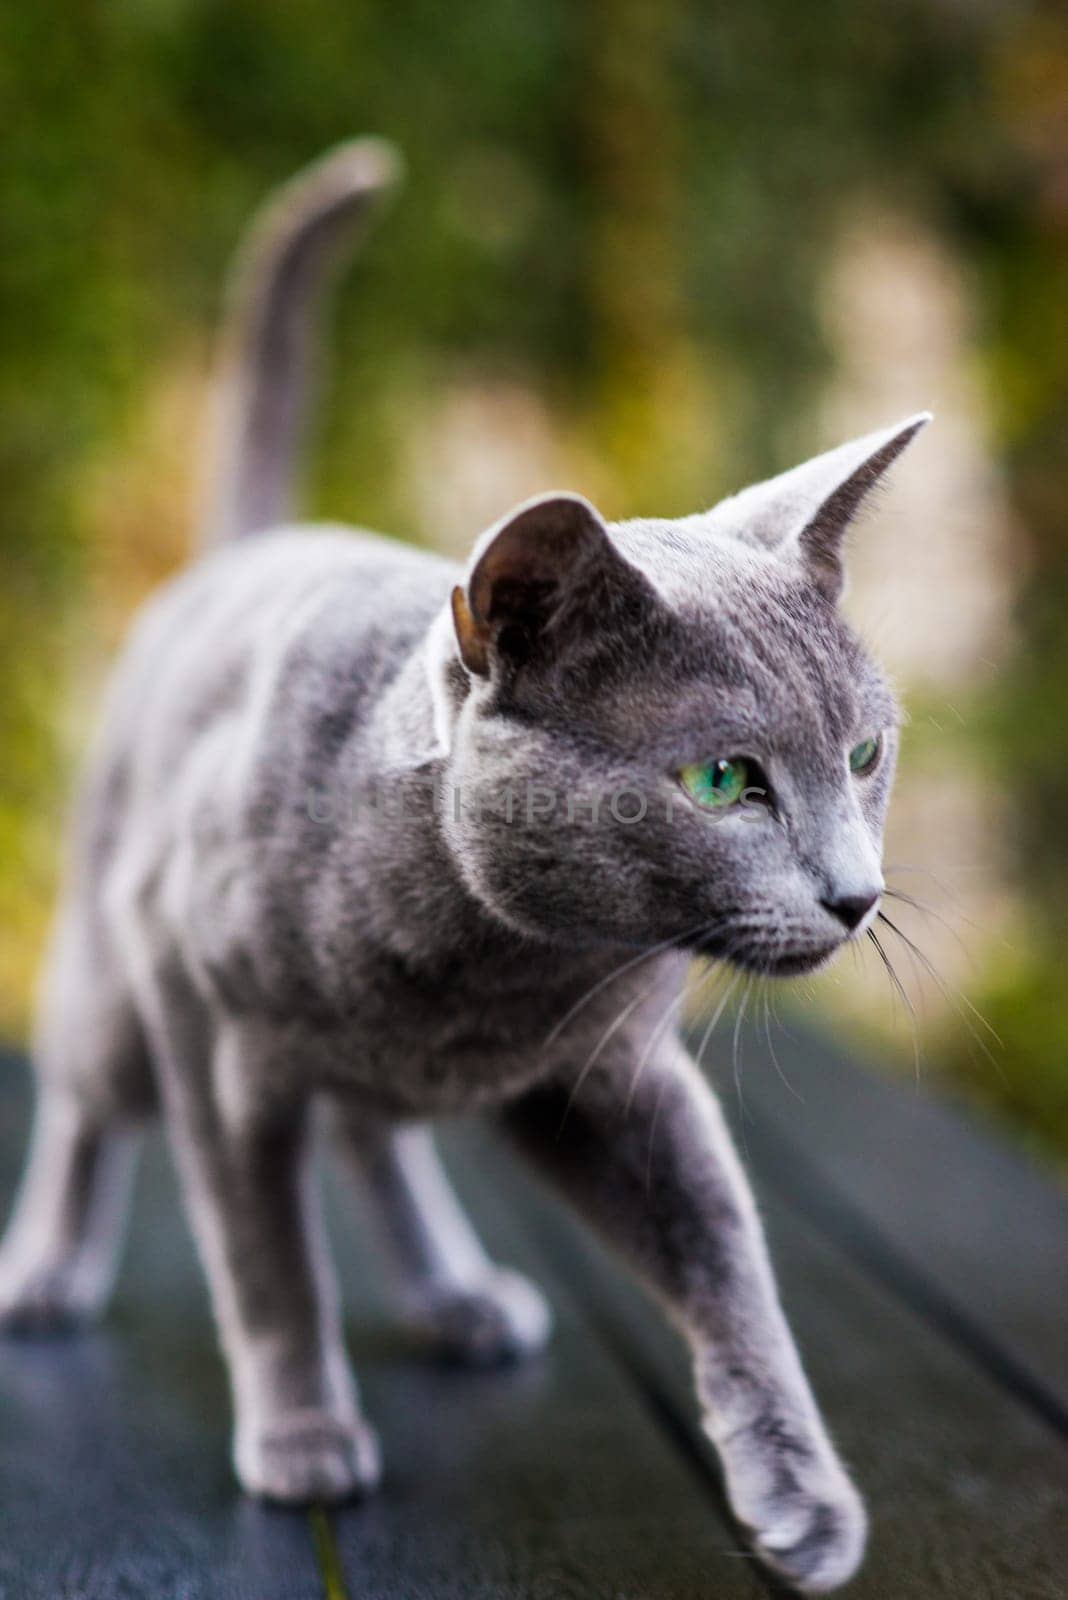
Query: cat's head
{"points": [[666, 730]]}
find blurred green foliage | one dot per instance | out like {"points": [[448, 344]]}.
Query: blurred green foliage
{"points": [[628, 205]]}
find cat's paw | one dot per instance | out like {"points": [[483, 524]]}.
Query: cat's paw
{"points": [[804, 1517], [815, 1542], [501, 1319], [46, 1298], [308, 1457]]}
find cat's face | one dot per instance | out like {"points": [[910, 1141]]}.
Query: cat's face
{"points": [[670, 733]]}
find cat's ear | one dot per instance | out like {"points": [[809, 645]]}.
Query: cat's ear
{"points": [[545, 572], [803, 514]]}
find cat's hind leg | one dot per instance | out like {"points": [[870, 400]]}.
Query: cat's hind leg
{"points": [[454, 1297], [61, 1248]]}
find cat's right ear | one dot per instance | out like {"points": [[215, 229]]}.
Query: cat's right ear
{"points": [[804, 514], [543, 573]]}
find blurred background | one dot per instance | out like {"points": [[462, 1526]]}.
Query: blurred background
{"points": [[647, 251]]}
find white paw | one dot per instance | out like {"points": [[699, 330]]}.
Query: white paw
{"points": [[501, 1319], [308, 1457], [818, 1544], [51, 1297], [805, 1519]]}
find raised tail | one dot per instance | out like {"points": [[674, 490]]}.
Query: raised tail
{"points": [[280, 278]]}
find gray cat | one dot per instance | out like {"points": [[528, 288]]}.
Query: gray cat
{"points": [[368, 833]]}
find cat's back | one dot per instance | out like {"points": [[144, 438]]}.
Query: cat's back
{"points": [[259, 658], [241, 591]]}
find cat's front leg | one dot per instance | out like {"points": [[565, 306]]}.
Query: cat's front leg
{"points": [[299, 1434], [644, 1152]]}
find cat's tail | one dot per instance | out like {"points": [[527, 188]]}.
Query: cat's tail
{"points": [[280, 277]]}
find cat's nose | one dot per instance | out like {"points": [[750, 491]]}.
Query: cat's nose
{"points": [[851, 909]]}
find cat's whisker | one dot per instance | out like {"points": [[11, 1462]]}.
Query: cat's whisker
{"points": [[776, 1013], [663, 1023], [710, 975], [715, 971], [617, 1023], [676, 941], [898, 988], [591, 1060], [735, 979], [936, 977], [926, 910], [652, 1132], [613, 1028], [736, 1046], [958, 1000], [940, 883], [766, 992]]}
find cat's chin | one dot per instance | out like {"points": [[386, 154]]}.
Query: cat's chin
{"points": [[794, 965], [770, 964]]}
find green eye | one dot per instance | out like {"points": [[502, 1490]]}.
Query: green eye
{"points": [[716, 784], [864, 755]]}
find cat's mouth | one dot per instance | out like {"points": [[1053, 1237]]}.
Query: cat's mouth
{"points": [[770, 963]]}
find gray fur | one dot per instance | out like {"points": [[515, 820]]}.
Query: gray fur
{"points": [[242, 936], [267, 363]]}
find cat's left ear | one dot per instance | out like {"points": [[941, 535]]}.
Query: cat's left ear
{"points": [[539, 582], [540, 579], [803, 514]]}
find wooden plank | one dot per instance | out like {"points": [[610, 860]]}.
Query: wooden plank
{"points": [[966, 1485], [964, 1224], [114, 1471], [551, 1481], [582, 1475]]}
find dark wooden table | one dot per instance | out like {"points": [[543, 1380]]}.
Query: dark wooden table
{"points": [[925, 1270]]}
